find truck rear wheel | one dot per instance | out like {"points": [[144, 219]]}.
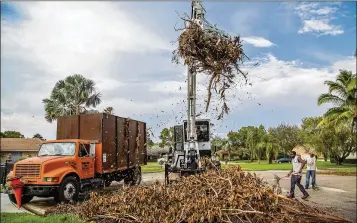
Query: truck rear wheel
{"points": [[134, 177], [68, 190], [25, 198], [107, 183]]}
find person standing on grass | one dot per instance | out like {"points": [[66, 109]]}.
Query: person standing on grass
{"points": [[311, 171], [296, 173]]}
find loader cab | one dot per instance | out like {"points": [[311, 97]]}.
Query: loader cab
{"points": [[203, 137]]}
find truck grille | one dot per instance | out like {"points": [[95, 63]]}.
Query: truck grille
{"points": [[28, 170]]}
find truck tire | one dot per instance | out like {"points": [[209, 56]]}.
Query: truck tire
{"points": [[25, 198], [107, 183], [134, 177], [68, 190]]}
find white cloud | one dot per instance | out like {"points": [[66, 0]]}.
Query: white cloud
{"points": [[130, 63], [279, 81], [321, 27], [100, 40], [317, 18], [28, 125], [258, 41]]}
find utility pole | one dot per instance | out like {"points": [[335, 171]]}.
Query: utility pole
{"points": [[192, 152]]}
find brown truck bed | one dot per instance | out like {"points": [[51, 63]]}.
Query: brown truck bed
{"points": [[123, 139]]}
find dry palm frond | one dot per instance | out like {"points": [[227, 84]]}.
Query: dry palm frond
{"points": [[215, 53], [215, 196]]}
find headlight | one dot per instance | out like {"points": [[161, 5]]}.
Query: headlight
{"points": [[50, 179]]}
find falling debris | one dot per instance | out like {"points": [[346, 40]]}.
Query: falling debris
{"points": [[214, 53], [229, 195]]}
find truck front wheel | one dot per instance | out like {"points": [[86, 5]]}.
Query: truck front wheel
{"points": [[25, 198], [68, 190]]}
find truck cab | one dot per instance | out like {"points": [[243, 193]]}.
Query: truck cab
{"points": [[57, 170]]}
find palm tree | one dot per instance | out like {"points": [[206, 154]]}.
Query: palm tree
{"points": [[343, 95], [71, 96], [109, 110]]}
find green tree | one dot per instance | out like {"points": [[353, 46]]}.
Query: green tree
{"points": [[252, 141], [167, 137], [12, 134], [262, 142], [38, 136], [345, 142], [238, 142], [71, 96], [221, 144], [149, 141], [312, 135], [342, 95], [271, 146], [286, 137], [336, 140], [109, 110]]}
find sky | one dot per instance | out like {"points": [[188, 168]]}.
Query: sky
{"points": [[126, 48]]}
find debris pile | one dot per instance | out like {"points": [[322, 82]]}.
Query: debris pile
{"points": [[213, 52], [229, 195]]}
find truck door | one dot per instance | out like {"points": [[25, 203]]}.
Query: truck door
{"points": [[86, 161]]}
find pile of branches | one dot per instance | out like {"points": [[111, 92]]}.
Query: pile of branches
{"points": [[213, 52], [229, 195]]}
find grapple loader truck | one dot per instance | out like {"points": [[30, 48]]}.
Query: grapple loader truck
{"points": [[90, 151]]}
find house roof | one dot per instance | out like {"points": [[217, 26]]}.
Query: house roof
{"points": [[19, 144], [223, 152], [157, 150]]}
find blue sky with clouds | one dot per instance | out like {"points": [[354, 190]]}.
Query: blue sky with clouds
{"points": [[126, 48]]}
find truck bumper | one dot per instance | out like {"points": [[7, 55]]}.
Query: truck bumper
{"points": [[41, 190]]}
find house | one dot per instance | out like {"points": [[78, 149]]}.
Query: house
{"points": [[223, 154], [156, 152], [18, 147]]}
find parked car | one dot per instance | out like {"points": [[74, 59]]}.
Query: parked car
{"points": [[284, 160]]}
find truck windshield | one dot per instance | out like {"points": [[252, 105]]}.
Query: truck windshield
{"points": [[57, 149]]}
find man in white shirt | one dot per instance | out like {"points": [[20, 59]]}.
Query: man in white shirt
{"points": [[296, 173], [310, 171]]}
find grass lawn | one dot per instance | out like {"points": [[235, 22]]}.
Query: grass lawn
{"points": [[28, 218], [264, 165], [152, 167]]}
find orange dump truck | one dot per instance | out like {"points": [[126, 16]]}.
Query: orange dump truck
{"points": [[90, 151]]}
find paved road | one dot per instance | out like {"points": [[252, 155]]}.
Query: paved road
{"points": [[337, 194]]}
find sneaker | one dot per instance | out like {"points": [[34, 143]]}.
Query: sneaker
{"points": [[290, 196], [306, 188], [305, 196]]}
